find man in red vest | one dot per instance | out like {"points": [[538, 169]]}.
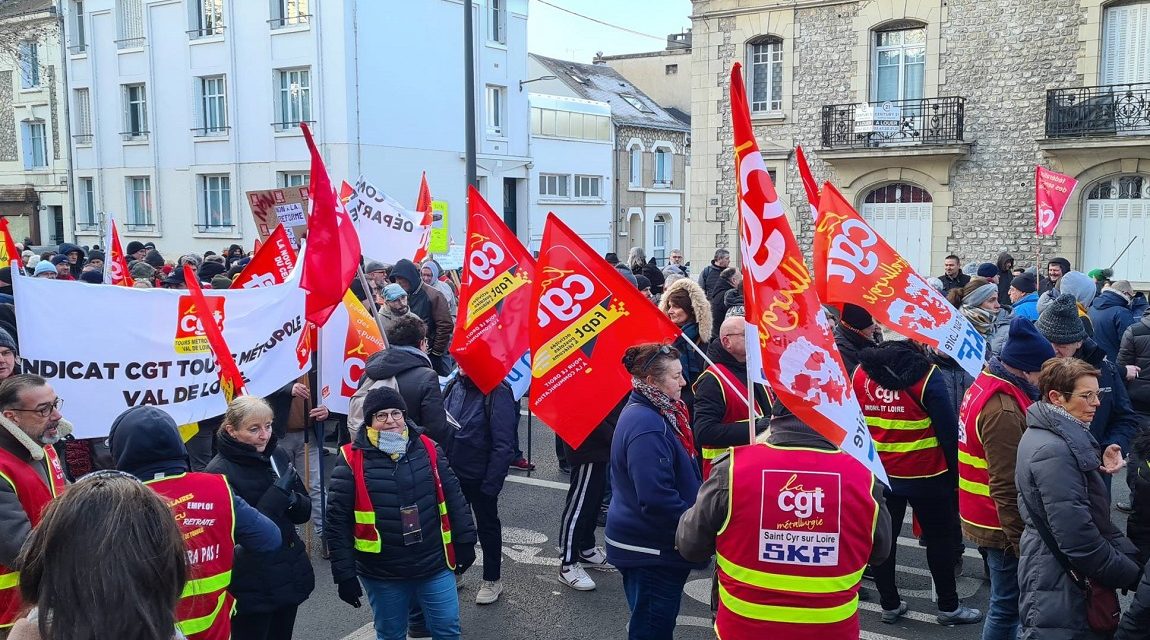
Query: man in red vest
{"points": [[793, 522], [30, 475], [993, 418], [146, 443], [721, 396]]}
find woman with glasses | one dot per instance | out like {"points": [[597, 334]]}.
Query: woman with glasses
{"points": [[397, 523], [268, 587], [655, 477], [1066, 507]]}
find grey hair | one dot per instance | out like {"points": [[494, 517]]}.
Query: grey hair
{"points": [[721, 253], [12, 388], [636, 257]]}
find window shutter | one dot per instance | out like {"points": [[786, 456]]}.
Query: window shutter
{"points": [[26, 143], [1126, 44]]}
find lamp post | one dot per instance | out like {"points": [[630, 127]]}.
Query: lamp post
{"points": [[523, 82]]}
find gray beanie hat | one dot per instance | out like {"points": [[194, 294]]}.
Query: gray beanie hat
{"points": [[1060, 323], [980, 295], [1079, 285]]}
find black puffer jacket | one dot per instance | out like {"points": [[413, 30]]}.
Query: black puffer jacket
{"points": [[850, 343], [419, 386], [1138, 525], [652, 272], [597, 446], [263, 582], [392, 485], [711, 402], [1135, 349]]}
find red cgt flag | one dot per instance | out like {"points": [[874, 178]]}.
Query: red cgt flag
{"points": [[423, 206], [271, 265], [492, 332], [11, 255], [231, 380], [116, 266], [333, 254], [586, 315], [1051, 192], [790, 341]]}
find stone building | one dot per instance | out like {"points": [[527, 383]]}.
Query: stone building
{"points": [[34, 143], [976, 94]]}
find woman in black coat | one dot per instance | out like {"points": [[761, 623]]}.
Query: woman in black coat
{"points": [[268, 587]]}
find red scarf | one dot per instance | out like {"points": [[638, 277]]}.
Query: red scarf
{"points": [[674, 410]]}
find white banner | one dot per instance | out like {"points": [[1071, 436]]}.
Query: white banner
{"points": [[346, 341], [387, 231], [144, 347]]}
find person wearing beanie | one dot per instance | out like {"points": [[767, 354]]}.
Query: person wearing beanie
{"points": [[1114, 422], [8, 351], [45, 269], [432, 307], [611, 257], [643, 284], [730, 279], [142, 271], [910, 415], [406, 556], [1111, 313], [626, 273], [993, 419], [209, 270], [432, 275], [222, 281], [92, 277], [1023, 294], [1101, 277], [394, 306], [135, 250], [95, 260], [987, 271], [978, 303], [1077, 284], [377, 274], [154, 258], [63, 267], [855, 331]]}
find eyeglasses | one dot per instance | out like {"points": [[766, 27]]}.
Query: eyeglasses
{"points": [[663, 351], [387, 415], [44, 410], [1089, 396]]}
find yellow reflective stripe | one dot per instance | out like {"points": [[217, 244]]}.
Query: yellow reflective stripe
{"points": [[365, 517], [446, 537], [203, 623], [905, 447], [976, 488], [442, 508], [368, 546], [793, 615], [206, 585], [898, 425], [966, 458], [9, 580], [710, 453], [780, 582]]}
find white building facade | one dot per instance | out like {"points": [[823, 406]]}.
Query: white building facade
{"points": [[572, 150], [180, 107]]}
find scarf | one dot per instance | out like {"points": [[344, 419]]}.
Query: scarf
{"points": [[1066, 414], [998, 369], [392, 443], [982, 319], [673, 410]]}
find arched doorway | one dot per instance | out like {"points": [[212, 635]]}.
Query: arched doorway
{"points": [[1116, 210], [902, 214]]}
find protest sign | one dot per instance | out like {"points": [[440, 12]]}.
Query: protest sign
{"points": [[440, 239], [287, 206], [387, 231]]}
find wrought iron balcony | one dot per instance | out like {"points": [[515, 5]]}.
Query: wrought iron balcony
{"points": [[926, 121], [1108, 110]]}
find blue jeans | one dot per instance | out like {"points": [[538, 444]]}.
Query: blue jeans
{"points": [[1002, 612], [391, 600], [653, 595]]}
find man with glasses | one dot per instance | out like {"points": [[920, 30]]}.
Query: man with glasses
{"points": [[30, 474], [1115, 421]]}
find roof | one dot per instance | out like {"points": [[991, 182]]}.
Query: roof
{"points": [[15, 8], [629, 105]]}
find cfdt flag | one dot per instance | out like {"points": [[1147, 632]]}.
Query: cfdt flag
{"points": [[116, 266], [854, 264], [790, 342], [1052, 191], [492, 329], [586, 315]]}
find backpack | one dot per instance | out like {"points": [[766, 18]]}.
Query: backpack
{"points": [[355, 407]]}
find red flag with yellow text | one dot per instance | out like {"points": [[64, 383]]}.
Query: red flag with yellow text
{"points": [[790, 342], [11, 256], [492, 331], [271, 264], [231, 380], [423, 206], [586, 316], [116, 264]]}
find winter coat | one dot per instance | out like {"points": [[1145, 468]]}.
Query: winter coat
{"points": [[711, 404], [652, 273], [709, 278], [1135, 350], [1027, 307], [1111, 315], [1058, 476], [1138, 524], [484, 446], [1114, 421], [956, 378], [693, 363], [14, 523], [418, 384], [1135, 623], [1005, 276], [719, 307], [393, 485], [653, 481], [850, 343], [733, 301], [74, 269], [956, 282], [427, 303], [999, 330], [597, 446], [264, 582]]}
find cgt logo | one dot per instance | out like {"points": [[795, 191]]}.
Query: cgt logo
{"points": [[190, 336], [793, 498], [566, 293]]}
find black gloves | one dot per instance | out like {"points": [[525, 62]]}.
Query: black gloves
{"points": [[350, 591], [287, 480], [274, 502], [464, 557]]}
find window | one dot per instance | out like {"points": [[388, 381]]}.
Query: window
{"points": [[209, 18], [87, 203], [83, 110], [1125, 44], [287, 13], [766, 77], [671, 69], [587, 187], [664, 163], [135, 112], [659, 239], [29, 65], [496, 110], [636, 176], [552, 185], [215, 202], [79, 40], [131, 24], [567, 124], [35, 144], [139, 203], [900, 63], [1116, 209], [294, 179], [634, 101], [498, 17], [294, 98], [213, 106]]}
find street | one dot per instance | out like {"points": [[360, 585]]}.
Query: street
{"points": [[536, 606]]}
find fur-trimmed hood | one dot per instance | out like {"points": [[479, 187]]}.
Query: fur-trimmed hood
{"points": [[894, 365], [699, 305], [35, 449]]}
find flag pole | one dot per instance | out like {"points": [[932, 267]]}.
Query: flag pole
{"points": [[749, 398], [371, 305], [529, 438]]}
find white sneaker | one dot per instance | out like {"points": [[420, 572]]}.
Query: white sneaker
{"points": [[489, 592], [575, 577], [595, 558]]}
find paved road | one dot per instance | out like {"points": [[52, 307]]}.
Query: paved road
{"points": [[536, 606]]}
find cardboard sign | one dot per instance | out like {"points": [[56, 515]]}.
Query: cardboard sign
{"points": [[287, 206]]}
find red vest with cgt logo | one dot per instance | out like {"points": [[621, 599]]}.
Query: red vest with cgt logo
{"points": [[34, 496], [901, 429]]}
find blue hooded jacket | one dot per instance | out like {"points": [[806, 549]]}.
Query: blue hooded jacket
{"points": [[1111, 315], [1027, 307]]}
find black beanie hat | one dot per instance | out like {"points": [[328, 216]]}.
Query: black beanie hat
{"points": [[92, 277], [381, 398], [1026, 283], [856, 317], [209, 270], [133, 247], [154, 258]]}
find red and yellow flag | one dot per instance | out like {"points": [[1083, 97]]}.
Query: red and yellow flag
{"points": [[231, 380], [116, 264], [9, 256], [423, 206]]}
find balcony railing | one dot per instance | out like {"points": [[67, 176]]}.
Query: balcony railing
{"points": [[290, 21], [131, 43], [214, 131], [83, 139], [206, 32], [1109, 110], [926, 121]]}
